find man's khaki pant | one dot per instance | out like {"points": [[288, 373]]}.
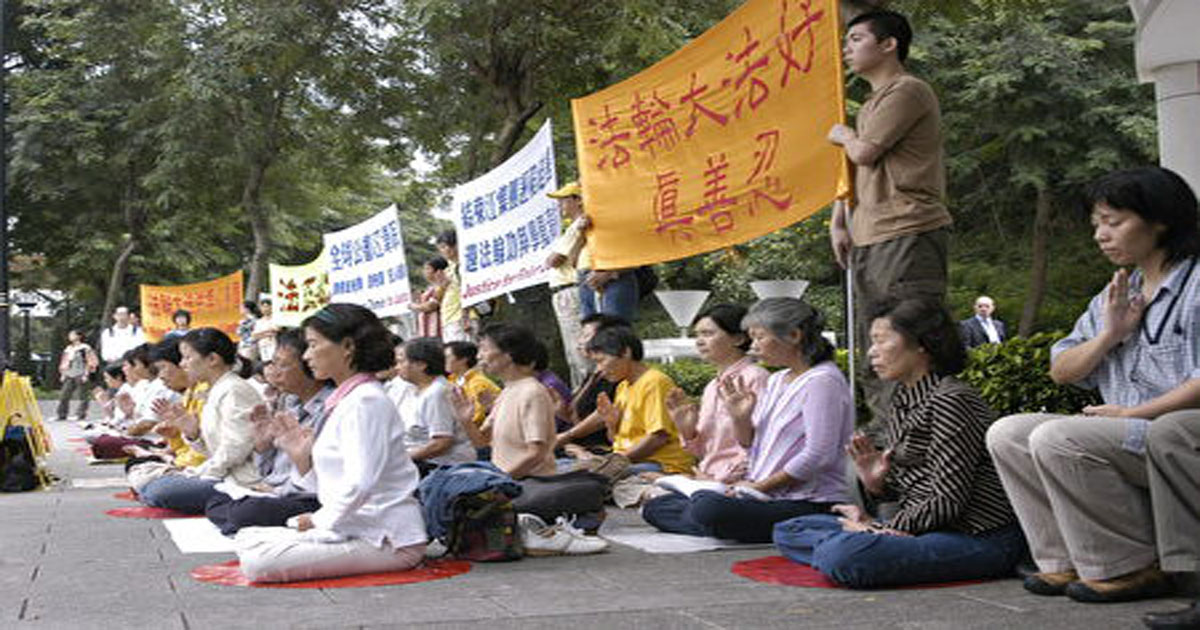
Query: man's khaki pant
{"points": [[566, 310], [1088, 496]]}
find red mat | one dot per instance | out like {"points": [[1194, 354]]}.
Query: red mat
{"points": [[83, 450], [780, 570], [227, 574], [148, 512], [77, 440], [128, 495]]}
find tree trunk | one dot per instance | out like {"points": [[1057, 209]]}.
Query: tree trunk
{"points": [[1041, 261], [260, 227], [510, 133], [135, 220]]}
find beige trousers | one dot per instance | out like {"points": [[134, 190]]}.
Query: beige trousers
{"points": [[566, 310], [1081, 489], [281, 554], [1173, 461]]}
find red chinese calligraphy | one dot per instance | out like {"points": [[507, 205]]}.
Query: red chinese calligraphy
{"points": [[770, 194], [716, 194], [795, 57], [615, 152], [666, 208], [693, 96], [655, 127], [764, 155], [756, 91]]}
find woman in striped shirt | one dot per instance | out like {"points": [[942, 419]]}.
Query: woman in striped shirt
{"points": [[952, 520]]}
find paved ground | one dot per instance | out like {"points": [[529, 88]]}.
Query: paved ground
{"points": [[65, 564]]}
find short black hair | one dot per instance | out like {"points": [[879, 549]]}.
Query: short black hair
{"points": [[252, 306], [293, 339], [114, 370], [438, 263], [140, 354], [464, 350], [615, 340], [206, 341], [447, 237], [185, 314], [429, 351], [728, 317], [884, 24], [926, 323], [518, 342], [373, 351], [166, 350], [603, 320], [1157, 195]]}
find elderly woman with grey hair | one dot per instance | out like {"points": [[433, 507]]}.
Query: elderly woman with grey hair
{"points": [[797, 430]]}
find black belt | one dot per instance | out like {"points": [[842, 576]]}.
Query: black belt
{"points": [[563, 287]]}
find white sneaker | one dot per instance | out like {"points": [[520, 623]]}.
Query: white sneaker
{"points": [[560, 539]]}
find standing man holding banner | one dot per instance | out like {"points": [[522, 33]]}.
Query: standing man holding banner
{"points": [[563, 292], [895, 239]]}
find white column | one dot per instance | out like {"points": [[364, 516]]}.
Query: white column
{"points": [[1177, 90]]}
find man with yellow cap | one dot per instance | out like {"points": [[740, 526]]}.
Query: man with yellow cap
{"points": [[563, 279]]}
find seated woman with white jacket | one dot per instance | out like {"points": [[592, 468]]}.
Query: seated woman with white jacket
{"points": [[369, 520]]}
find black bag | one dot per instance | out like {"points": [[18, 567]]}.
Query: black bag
{"points": [[647, 280], [484, 528], [18, 468], [574, 493]]}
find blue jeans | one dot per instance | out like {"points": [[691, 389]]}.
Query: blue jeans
{"points": [[619, 297], [643, 467], [866, 560], [179, 492], [708, 513]]}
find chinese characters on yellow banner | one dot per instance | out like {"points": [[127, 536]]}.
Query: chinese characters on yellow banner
{"points": [[216, 303], [719, 143], [299, 291]]}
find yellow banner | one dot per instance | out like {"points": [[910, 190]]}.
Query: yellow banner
{"points": [[719, 143], [299, 291], [216, 303]]}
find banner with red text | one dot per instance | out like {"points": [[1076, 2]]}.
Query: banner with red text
{"points": [[216, 303], [299, 291], [719, 143]]}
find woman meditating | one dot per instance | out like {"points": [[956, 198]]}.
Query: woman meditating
{"points": [[796, 430], [224, 433], [1103, 526], [369, 520], [952, 520]]}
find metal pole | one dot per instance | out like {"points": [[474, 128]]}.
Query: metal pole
{"points": [[851, 344], [4, 305]]}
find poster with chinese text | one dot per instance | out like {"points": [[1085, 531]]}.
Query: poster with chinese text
{"points": [[216, 303], [719, 143], [506, 224], [299, 291], [367, 265]]}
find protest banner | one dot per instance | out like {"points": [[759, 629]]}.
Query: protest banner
{"points": [[506, 224], [367, 265], [299, 291], [719, 143], [216, 303]]}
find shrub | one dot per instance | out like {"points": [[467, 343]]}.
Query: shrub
{"points": [[690, 375], [1014, 377]]}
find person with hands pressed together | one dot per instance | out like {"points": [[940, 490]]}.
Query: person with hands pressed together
{"points": [[795, 428], [431, 430], [952, 520], [521, 423], [1106, 507], [895, 239], [369, 520]]}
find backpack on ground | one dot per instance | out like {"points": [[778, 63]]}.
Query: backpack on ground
{"points": [[18, 468], [484, 528]]}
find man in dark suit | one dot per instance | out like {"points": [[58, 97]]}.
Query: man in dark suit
{"points": [[982, 328]]}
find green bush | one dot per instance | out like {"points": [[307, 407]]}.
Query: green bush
{"points": [[690, 375], [1014, 377]]}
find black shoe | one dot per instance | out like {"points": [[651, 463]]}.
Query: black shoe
{"points": [[1050, 583], [1188, 618], [1145, 584]]}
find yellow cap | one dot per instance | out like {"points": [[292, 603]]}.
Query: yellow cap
{"points": [[571, 189]]}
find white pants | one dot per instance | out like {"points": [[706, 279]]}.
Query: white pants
{"points": [[566, 310], [281, 554]]}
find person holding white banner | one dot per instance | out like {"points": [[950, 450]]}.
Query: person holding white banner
{"points": [[563, 292], [457, 324]]}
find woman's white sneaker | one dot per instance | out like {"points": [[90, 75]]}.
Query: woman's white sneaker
{"points": [[560, 539]]}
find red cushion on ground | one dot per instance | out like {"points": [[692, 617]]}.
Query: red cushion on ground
{"points": [[780, 570], [148, 512], [227, 574], [128, 495], [83, 450], [77, 440]]}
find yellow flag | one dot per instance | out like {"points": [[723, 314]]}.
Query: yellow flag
{"points": [[719, 143], [299, 291], [215, 303]]}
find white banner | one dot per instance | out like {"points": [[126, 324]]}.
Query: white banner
{"points": [[367, 265], [506, 223]]}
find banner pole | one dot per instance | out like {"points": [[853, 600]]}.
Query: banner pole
{"points": [[851, 342]]}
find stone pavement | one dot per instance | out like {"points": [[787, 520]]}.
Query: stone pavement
{"points": [[65, 564]]}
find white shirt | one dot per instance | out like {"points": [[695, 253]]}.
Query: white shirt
{"points": [[989, 329], [366, 482], [144, 394], [266, 345], [427, 414], [226, 431], [115, 342]]}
